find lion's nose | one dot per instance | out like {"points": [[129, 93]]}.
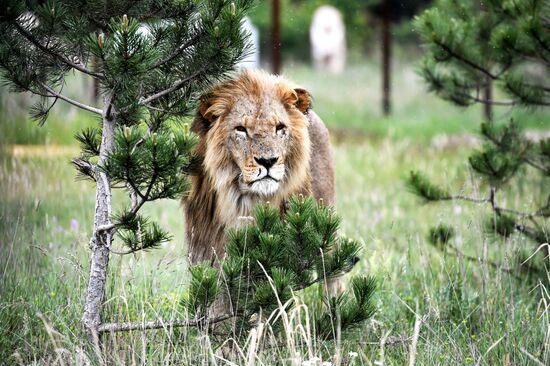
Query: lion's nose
{"points": [[267, 163]]}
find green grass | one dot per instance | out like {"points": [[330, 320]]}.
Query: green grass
{"points": [[472, 314], [467, 308]]}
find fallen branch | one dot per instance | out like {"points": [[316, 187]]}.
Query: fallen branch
{"points": [[159, 324], [392, 341], [414, 342]]}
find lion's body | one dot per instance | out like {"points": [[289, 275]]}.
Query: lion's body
{"points": [[259, 144]]}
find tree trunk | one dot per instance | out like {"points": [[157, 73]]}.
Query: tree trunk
{"points": [[386, 58], [101, 240], [276, 37]]}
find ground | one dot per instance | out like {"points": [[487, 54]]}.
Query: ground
{"points": [[469, 312]]}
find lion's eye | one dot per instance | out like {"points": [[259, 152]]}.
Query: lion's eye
{"points": [[280, 127], [240, 129]]}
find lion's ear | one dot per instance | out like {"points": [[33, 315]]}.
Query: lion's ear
{"points": [[298, 97], [303, 102], [209, 109]]}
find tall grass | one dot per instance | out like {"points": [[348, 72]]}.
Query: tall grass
{"points": [[466, 312], [435, 308]]}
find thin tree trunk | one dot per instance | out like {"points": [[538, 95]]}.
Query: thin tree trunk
{"points": [[386, 58], [276, 37], [100, 241]]}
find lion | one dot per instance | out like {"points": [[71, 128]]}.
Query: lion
{"points": [[260, 142]]}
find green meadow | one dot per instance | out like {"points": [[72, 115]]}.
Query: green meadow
{"points": [[467, 310]]}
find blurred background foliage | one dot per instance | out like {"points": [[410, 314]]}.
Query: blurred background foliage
{"points": [[361, 17], [349, 103]]}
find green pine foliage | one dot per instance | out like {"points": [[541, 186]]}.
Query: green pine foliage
{"points": [[203, 290], [420, 185], [470, 45], [440, 235], [270, 261], [150, 59]]}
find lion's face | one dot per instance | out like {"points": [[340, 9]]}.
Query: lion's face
{"points": [[255, 134], [258, 138]]}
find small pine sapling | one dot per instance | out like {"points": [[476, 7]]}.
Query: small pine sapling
{"points": [[271, 260]]}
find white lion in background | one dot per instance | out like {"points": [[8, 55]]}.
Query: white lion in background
{"points": [[328, 39]]}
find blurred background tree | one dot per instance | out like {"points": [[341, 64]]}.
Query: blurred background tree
{"points": [[360, 18], [471, 46]]}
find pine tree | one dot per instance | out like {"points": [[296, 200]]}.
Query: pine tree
{"points": [[269, 262], [150, 58], [471, 45]]}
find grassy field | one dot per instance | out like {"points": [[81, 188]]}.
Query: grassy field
{"points": [[468, 312]]}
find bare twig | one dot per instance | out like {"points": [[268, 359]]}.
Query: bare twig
{"points": [[496, 266], [464, 198], [491, 200]]}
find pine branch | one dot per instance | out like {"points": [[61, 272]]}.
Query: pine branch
{"points": [[515, 90], [497, 266], [177, 52], [160, 324], [465, 60], [86, 169], [47, 50], [177, 85], [422, 187], [502, 103], [80, 105], [133, 211], [541, 43], [528, 161], [184, 46]]}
